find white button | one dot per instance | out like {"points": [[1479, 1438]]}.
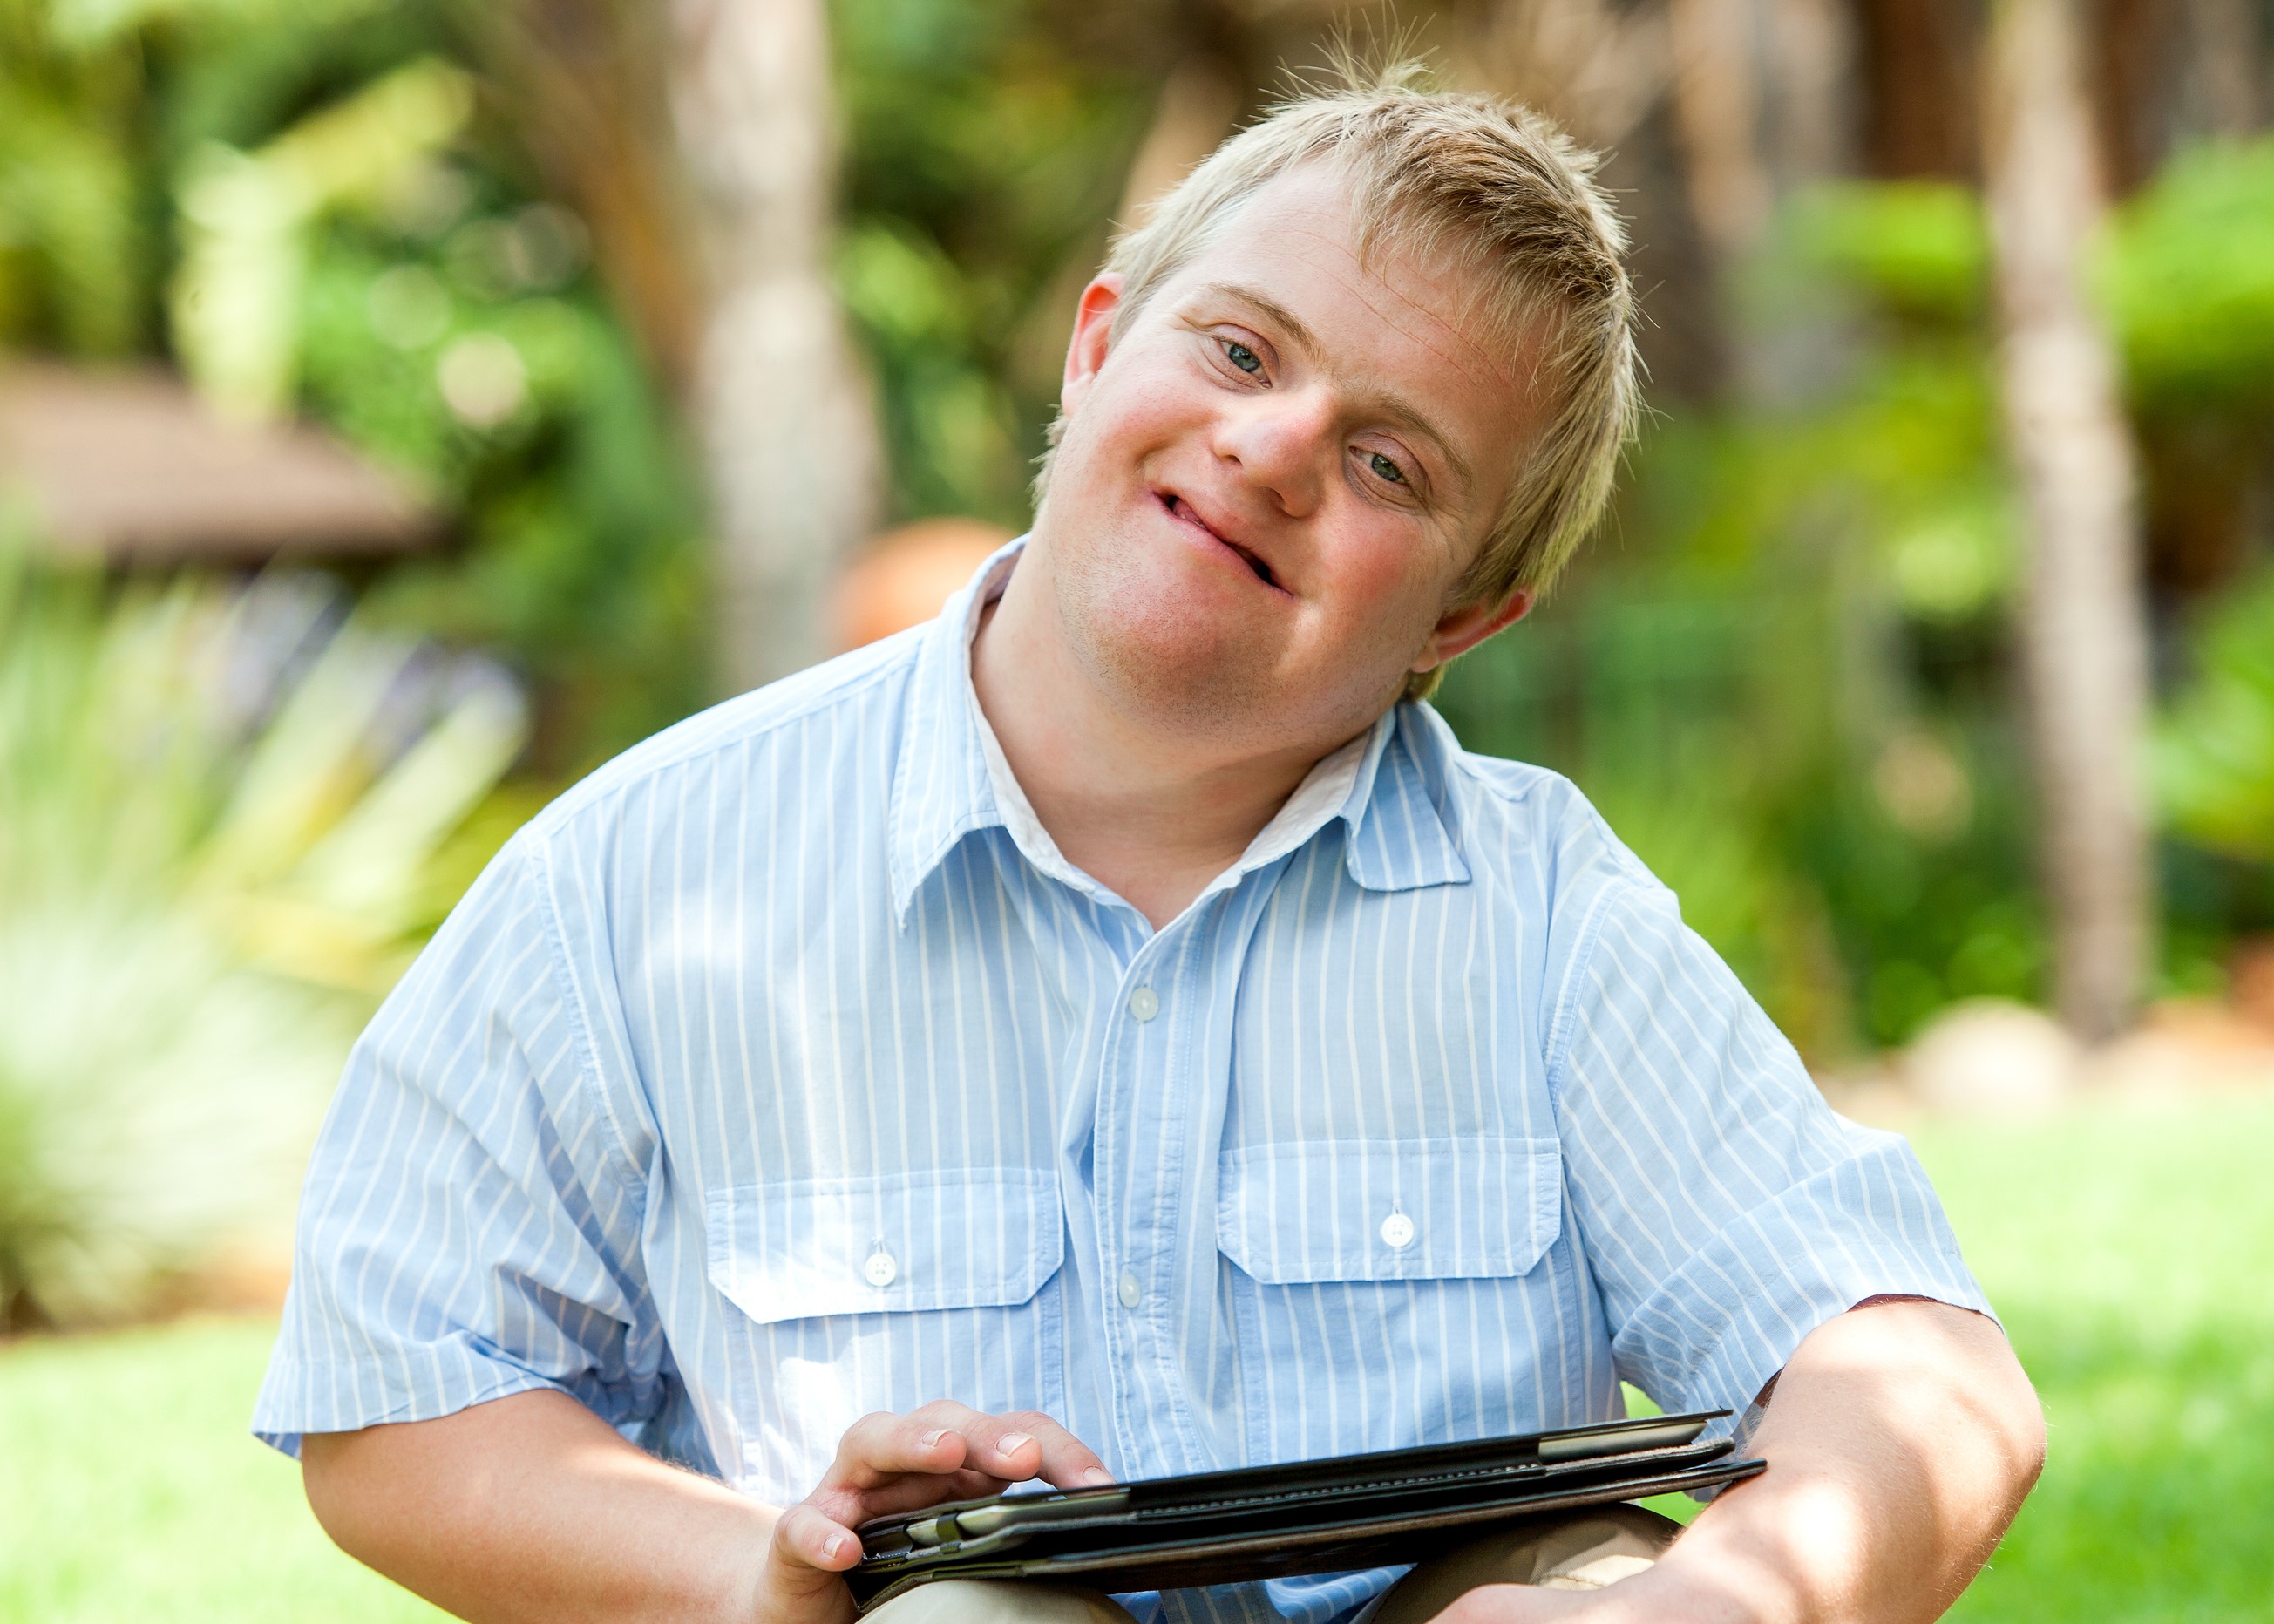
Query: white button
{"points": [[880, 1270], [1132, 1293], [1144, 1003], [1397, 1231]]}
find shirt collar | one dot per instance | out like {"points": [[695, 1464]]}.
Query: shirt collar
{"points": [[951, 779]]}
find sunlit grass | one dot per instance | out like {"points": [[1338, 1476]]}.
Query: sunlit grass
{"points": [[2131, 1251], [130, 1490]]}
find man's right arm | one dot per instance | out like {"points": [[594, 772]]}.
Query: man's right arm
{"points": [[532, 1507]]}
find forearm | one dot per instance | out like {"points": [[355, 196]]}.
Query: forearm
{"points": [[1900, 1439], [531, 1508]]}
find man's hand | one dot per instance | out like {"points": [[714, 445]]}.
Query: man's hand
{"points": [[529, 1509], [1900, 1439], [888, 1463]]}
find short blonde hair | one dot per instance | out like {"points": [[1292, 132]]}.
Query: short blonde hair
{"points": [[1501, 195]]}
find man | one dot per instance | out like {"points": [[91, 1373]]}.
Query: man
{"points": [[1106, 1033]]}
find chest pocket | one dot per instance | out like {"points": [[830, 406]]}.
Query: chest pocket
{"points": [[1413, 1209], [882, 1292], [1389, 1293], [884, 1244]]}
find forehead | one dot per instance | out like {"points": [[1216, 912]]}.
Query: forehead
{"points": [[1387, 319]]}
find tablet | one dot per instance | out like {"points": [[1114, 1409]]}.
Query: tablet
{"points": [[1306, 1516]]}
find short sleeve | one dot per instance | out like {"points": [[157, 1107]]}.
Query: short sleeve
{"points": [[469, 1224], [1725, 1209]]}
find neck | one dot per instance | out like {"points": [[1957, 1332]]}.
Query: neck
{"points": [[1153, 814]]}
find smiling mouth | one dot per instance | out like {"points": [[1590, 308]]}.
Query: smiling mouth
{"points": [[1180, 510]]}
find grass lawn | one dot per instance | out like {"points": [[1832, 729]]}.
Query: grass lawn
{"points": [[2131, 1251]]}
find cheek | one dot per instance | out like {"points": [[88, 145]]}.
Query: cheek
{"points": [[1385, 572], [1139, 404]]}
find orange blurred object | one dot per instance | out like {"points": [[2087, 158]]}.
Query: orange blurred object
{"points": [[905, 575]]}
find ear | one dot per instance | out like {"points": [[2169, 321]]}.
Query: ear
{"points": [[1093, 329], [1462, 630]]}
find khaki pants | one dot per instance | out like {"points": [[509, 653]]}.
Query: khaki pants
{"points": [[1581, 1553]]}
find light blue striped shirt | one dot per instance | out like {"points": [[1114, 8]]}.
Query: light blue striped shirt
{"points": [[784, 1070]]}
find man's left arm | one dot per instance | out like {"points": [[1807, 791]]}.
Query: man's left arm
{"points": [[1900, 1439], [1746, 1241]]}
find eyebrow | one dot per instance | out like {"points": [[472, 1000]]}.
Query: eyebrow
{"points": [[1390, 406]]}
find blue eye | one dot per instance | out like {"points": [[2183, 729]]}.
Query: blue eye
{"points": [[1240, 356], [1384, 468]]}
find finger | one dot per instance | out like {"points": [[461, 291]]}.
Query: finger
{"points": [[1017, 1446], [879, 1447], [940, 1436], [1061, 1459], [851, 1508]]}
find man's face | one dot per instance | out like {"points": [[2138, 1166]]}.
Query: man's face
{"points": [[1271, 486]]}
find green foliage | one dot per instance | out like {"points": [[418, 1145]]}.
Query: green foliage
{"points": [[986, 146], [2215, 751], [226, 820], [1785, 682], [2189, 279], [74, 256], [464, 347], [341, 240], [1917, 247]]}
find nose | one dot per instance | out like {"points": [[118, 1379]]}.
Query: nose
{"points": [[1284, 442]]}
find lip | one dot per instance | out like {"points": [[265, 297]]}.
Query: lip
{"points": [[1180, 511]]}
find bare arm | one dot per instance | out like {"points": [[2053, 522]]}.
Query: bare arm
{"points": [[1900, 1440], [531, 1508]]}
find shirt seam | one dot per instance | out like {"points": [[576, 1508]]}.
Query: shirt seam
{"points": [[631, 1175], [1555, 1060]]}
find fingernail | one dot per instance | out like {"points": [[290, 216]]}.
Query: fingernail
{"points": [[1097, 1474], [836, 1543], [1012, 1442], [930, 1440]]}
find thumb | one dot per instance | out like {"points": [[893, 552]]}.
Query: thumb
{"points": [[806, 1564]]}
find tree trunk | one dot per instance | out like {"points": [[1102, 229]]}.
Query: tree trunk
{"points": [[2083, 629], [1917, 82], [1717, 110], [781, 401]]}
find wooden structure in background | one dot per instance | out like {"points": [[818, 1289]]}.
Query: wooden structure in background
{"points": [[131, 467]]}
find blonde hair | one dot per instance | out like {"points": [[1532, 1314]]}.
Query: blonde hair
{"points": [[1495, 190]]}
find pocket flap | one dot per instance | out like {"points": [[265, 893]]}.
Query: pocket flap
{"points": [[800, 1250], [1413, 1209]]}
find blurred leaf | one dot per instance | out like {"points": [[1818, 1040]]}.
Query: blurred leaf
{"points": [[1919, 247], [2188, 275], [2214, 745], [223, 819], [235, 299], [67, 211]]}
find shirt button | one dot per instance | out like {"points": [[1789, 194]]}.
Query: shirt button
{"points": [[1132, 1293], [1144, 1003], [1397, 1231], [880, 1270]]}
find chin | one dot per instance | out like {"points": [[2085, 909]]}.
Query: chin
{"points": [[1171, 650]]}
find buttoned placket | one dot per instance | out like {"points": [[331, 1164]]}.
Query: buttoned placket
{"points": [[1140, 1086], [1152, 1071]]}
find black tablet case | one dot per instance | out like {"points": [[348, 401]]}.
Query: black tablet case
{"points": [[1272, 1522]]}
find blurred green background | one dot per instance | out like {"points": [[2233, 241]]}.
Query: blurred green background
{"points": [[435, 278]]}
